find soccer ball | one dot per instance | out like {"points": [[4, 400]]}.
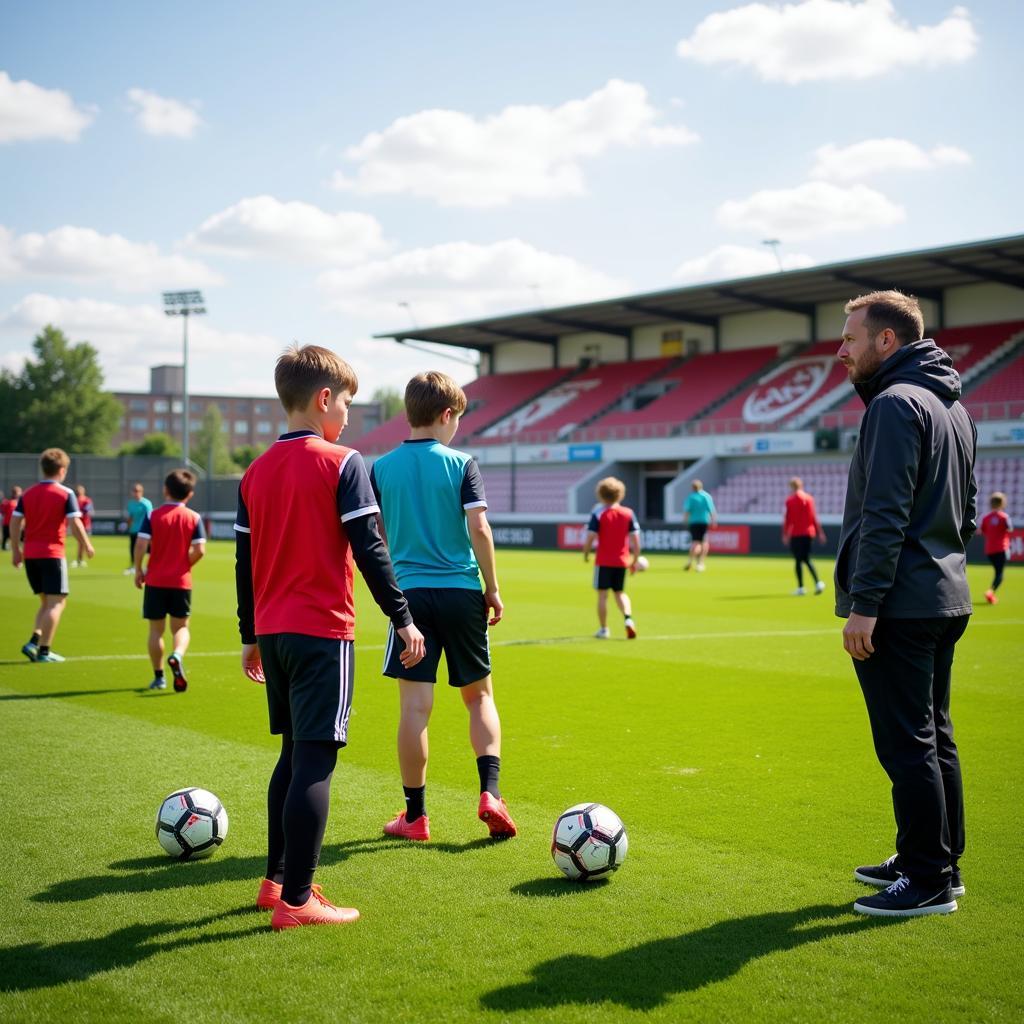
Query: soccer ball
{"points": [[191, 823], [642, 565], [589, 842]]}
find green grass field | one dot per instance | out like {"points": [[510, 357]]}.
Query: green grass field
{"points": [[730, 737]]}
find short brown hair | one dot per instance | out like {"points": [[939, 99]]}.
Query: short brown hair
{"points": [[303, 371], [53, 460], [180, 483], [900, 313], [998, 499], [428, 394], [611, 489], [796, 483]]}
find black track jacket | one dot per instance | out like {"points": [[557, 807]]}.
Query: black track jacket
{"points": [[911, 497]]}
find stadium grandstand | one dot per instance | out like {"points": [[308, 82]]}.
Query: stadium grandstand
{"points": [[735, 382]]}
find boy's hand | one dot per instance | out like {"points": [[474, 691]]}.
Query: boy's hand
{"points": [[252, 663], [494, 604], [140, 578], [415, 646], [632, 568], [16, 558]]}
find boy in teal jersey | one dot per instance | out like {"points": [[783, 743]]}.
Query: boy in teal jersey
{"points": [[135, 513], [434, 517], [698, 515]]}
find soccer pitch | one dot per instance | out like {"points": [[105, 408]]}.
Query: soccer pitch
{"points": [[731, 738]]}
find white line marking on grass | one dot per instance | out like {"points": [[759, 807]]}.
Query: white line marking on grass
{"points": [[747, 634]]}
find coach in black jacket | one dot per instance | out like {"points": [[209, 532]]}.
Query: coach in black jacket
{"points": [[901, 584]]}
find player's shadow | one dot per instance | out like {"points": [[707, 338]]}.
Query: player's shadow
{"points": [[154, 874], [34, 965], [646, 976], [62, 694]]}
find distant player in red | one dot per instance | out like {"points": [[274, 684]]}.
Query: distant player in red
{"points": [[800, 525], [173, 535], [615, 531], [7, 507], [41, 518], [306, 510], [85, 507], [995, 527]]}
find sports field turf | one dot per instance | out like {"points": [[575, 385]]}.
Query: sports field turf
{"points": [[730, 737]]}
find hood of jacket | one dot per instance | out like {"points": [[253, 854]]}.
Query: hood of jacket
{"points": [[921, 363]]}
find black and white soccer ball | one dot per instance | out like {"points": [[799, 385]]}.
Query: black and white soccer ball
{"points": [[191, 823], [589, 842]]}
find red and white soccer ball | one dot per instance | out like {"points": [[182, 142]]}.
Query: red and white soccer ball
{"points": [[589, 842], [191, 824]]}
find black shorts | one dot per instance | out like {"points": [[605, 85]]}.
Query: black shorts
{"points": [[609, 577], [309, 685], [453, 620], [697, 531], [160, 601], [47, 575], [801, 548]]}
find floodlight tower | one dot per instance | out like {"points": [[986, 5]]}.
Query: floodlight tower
{"points": [[184, 304], [773, 244]]}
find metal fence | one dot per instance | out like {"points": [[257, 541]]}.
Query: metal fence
{"points": [[108, 478]]}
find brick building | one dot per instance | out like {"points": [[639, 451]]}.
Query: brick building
{"points": [[255, 420]]}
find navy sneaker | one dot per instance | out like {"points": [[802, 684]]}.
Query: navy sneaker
{"points": [[904, 898], [158, 684], [175, 665], [31, 651], [884, 874]]}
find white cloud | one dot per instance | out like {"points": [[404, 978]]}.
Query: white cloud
{"points": [[727, 261], [523, 152], [816, 40], [84, 254], [811, 209], [876, 156], [460, 280], [132, 338], [160, 115], [28, 111], [265, 226]]}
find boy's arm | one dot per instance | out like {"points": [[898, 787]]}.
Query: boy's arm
{"points": [[482, 539], [252, 666], [78, 529], [197, 548], [142, 539], [591, 539], [17, 524], [358, 511]]}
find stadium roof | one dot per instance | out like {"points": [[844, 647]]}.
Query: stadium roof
{"points": [[926, 274]]}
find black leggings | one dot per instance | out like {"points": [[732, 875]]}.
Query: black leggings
{"points": [[801, 548], [298, 801], [998, 560]]}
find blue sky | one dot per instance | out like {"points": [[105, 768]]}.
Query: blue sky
{"points": [[311, 166]]}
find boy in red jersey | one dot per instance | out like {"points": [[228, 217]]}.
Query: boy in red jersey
{"points": [[305, 509], [175, 539], [41, 516], [7, 507], [85, 507], [800, 525], [617, 534], [995, 527]]}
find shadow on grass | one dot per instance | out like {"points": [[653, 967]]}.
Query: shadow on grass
{"points": [[552, 887], [153, 874], [34, 965], [61, 694], [646, 976]]}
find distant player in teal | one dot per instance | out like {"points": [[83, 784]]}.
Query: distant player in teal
{"points": [[434, 512], [135, 513], [698, 515]]}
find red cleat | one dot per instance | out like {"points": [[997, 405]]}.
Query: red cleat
{"points": [[178, 671], [418, 829], [316, 910], [493, 811], [990, 596], [269, 895]]}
